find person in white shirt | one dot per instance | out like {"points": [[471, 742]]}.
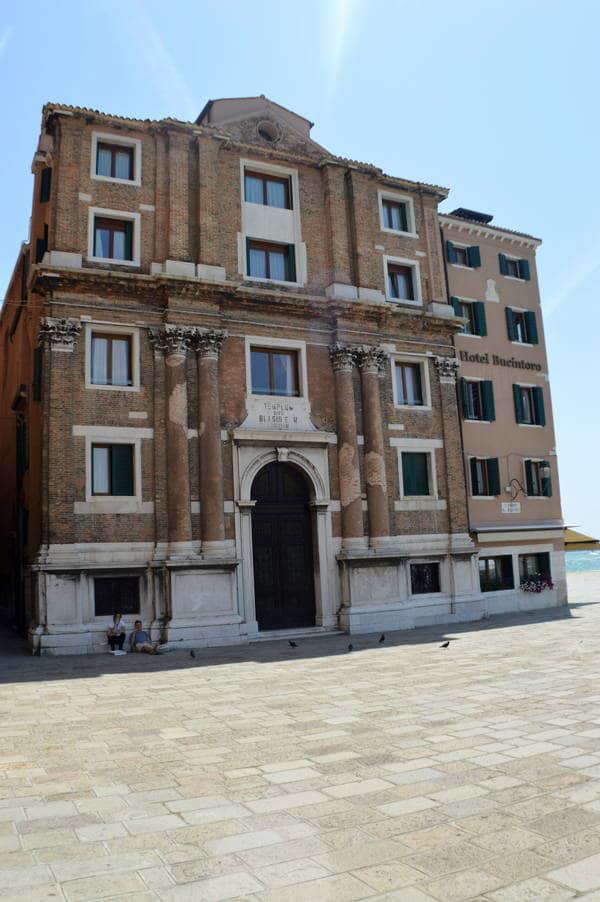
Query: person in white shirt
{"points": [[116, 632]]}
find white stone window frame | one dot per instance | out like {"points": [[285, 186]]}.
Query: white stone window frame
{"points": [[530, 425], [112, 329], [282, 344], [432, 501], [513, 278], [113, 504], [465, 247], [104, 213], [470, 301], [246, 235], [107, 138], [441, 575], [396, 197], [423, 361], [472, 496], [515, 551], [403, 261]]}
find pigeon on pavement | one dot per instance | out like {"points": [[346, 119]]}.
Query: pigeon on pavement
{"points": [[192, 653], [292, 644], [445, 644], [382, 638]]}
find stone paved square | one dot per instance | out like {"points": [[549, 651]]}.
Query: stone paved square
{"points": [[399, 771]]}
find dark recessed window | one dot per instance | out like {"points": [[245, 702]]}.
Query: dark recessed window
{"points": [[538, 478], [424, 578], [395, 215], [496, 573], [529, 405], [415, 473], [478, 399], [267, 131], [274, 372], [512, 268], [116, 595], [112, 469], [111, 359], [115, 161], [269, 190], [522, 326], [113, 238], [271, 261], [409, 389], [401, 282], [462, 255]]}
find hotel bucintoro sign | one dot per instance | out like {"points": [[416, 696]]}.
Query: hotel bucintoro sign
{"points": [[495, 360]]}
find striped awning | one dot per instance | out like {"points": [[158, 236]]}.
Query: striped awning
{"points": [[578, 541]]}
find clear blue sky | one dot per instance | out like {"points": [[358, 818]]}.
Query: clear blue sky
{"points": [[496, 99]]}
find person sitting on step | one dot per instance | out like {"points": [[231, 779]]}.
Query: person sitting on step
{"points": [[139, 640], [116, 632]]}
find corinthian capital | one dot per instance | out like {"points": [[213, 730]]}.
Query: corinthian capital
{"points": [[343, 357], [59, 334], [447, 368], [372, 360], [208, 343], [172, 339]]}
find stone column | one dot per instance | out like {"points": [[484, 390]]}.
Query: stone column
{"points": [[212, 521], [343, 360], [458, 522], [175, 342], [371, 362]]}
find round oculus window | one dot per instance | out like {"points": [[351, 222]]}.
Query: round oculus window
{"points": [[268, 132]]}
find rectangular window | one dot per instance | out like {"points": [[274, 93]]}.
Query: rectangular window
{"points": [[269, 190], [529, 405], [538, 478], [115, 161], [409, 384], [521, 326], [478, 399], [516, 269], [395, 215], [112, 469], [271, 261], [474, 313], [113, 238], [534, 567], [401, 282], [496, 573], [274, 372], [485, 477], [114, 595], [111, 359], [424, 578], [463, 256], [415, 473], [45, 185], [512, 268]]}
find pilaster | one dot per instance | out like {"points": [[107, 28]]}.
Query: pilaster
{"points": [[371, 362], [458, 521]]}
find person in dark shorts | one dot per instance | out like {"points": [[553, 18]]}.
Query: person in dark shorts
{"points": [[116, 632]]}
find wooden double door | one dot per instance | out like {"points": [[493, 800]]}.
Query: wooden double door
{"points": [[282, 549]]}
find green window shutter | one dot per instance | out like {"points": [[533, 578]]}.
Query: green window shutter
{"points": [[518, 403], [415, 474], [487, 394], [129, 241], [503, 266], [37, 374], [529, 477], [546, 482], [538, 401], [480, 321], [493, 475], [450, 255], [464, 396], [531, 326], [291, 263], [45, 185], [474, 256], [475, 487], [510, 324], [456, 305], [122, 469], [524, 270]]}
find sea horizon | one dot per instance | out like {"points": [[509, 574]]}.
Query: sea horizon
{"points": [[582, 561]]}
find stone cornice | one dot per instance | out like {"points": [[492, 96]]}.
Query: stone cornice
{"points": [[488, 231]]}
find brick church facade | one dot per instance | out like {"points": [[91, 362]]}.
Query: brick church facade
{"points": [[229, 358]]}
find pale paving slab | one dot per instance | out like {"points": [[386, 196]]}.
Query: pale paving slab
{"points": [[394, 773]]}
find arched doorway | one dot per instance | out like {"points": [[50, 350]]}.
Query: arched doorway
{"points": [[282, 549]]}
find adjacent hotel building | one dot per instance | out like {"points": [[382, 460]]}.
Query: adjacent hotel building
{"points": [[250, 388]]}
